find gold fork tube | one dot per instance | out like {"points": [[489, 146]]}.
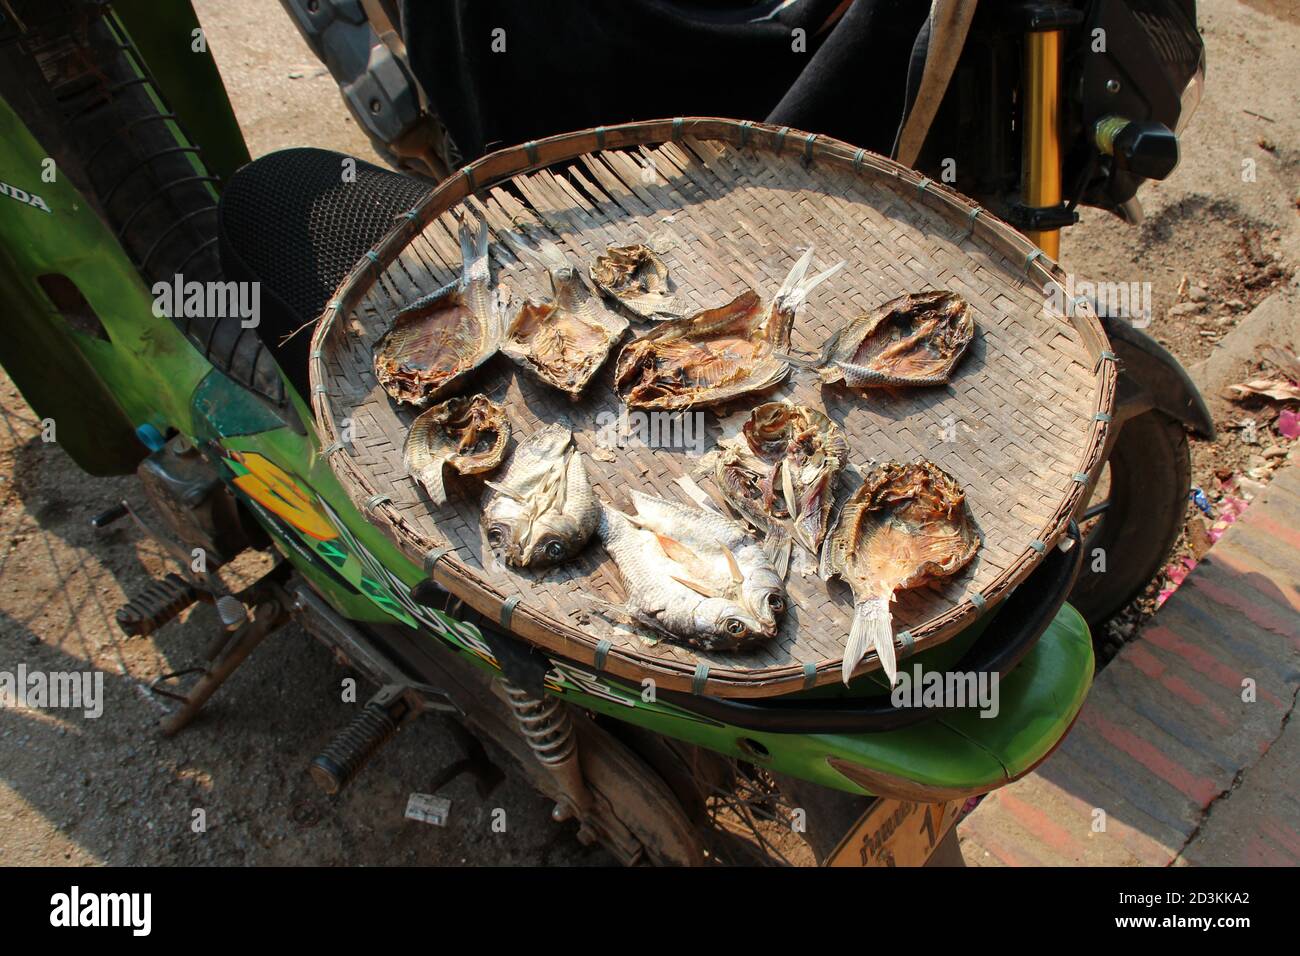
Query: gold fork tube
{"points": [[1041, 160]]}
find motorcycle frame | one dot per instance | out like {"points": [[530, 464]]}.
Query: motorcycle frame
{"points": [[143, 377]]}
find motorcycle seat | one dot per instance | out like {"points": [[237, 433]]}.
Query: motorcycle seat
{"points": [[296, 221]]}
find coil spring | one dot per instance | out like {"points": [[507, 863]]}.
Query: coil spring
{"points": [[545, 725], [356, 743]]}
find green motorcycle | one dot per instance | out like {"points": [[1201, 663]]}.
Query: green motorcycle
{"points": [[122, 170]]}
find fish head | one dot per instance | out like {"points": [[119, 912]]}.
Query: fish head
{"points": [[764, 594], [730, 623], [552, 538]]}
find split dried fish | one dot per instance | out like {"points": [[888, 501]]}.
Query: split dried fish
{"points": [[638, 279], [905, 526], [439, 339], [911, 340], [543, 510], [468, 434], [718, 354], [695, 577], [564, 341], [779, 474]]}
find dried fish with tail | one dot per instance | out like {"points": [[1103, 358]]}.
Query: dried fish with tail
{"points": [[438, 340], [905, 525]]}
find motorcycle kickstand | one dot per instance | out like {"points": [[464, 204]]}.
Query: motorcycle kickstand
{"points": [[267, 616]]}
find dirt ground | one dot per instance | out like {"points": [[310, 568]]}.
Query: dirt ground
{"points": [[111, 790]]}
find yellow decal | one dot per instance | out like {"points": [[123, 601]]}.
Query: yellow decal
{"points": [[272, 488]]}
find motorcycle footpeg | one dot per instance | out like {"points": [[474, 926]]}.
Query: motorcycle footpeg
{"points": [[394, 706], [159, 602]]}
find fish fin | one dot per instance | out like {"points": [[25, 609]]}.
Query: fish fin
{"points": [[697, 494], [737, 576], [798, 364], [787, 488], [872, 629], [503, 490], [431, 477], [777, 546], [676, 551], [696, 587]]}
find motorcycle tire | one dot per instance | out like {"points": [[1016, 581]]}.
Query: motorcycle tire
{"points": [[1145, 507]]}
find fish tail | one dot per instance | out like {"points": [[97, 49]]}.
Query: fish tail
{"points": [[474, 253], [431, 477], [872, 628], [796, 287]]}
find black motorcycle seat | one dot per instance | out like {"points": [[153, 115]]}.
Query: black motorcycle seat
{"points": [[296, 221]]}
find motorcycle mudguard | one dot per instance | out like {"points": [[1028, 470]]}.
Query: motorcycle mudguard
{"points": [[1151, 378]]}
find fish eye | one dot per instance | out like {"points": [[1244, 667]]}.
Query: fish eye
{"points": [[496, 536], [735, 627], [776, 603], [555, 550]]}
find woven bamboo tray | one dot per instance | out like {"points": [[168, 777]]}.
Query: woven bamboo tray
{"points": [[1021, 426]]}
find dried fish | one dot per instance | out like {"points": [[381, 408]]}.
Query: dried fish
{"points": [[543, 510], [905, 526], [638, 279], [439, 339], [468, 434], [566, 340], [911, 340], [695, 577], [718, 354], [779, 473]]}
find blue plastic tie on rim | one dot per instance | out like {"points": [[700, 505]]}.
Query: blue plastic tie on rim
{"points": [[780, 137], [1101, 417], [906, 642], [857, 159], [971, 217], [508, 610], [530, 148], [331, 449], [374, 501], [1038, 546], [677, 128], [317, 355], [699, 678], [808, 147], [600, 137], [602, 651], [1081, 477], [335, 304], [1029, 259], [410, 214], [809, 674], [921, 186], [1108, 356], [978, 600], [433, 556], [745, 127]]}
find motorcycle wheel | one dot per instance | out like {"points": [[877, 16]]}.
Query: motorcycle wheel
{"points": [[1135, 515]]}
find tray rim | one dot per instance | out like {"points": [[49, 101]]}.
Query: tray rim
{"points": [[563, 637]]}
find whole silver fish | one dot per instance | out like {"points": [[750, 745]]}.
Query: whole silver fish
{"points": [[696, 577], [543, 510]]}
